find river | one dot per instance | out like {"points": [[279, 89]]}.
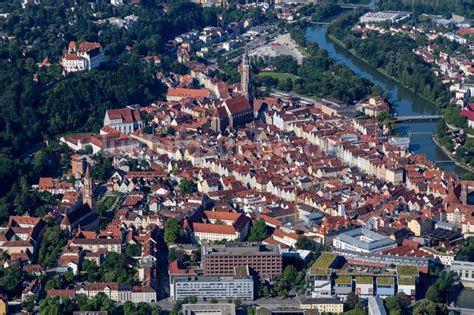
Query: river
{"points": [[405, 102]]}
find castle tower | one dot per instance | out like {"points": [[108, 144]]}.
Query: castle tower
{"points": [[245, 82], [88, 189]]}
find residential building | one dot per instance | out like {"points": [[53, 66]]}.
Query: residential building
{"points": [[175, 94], [377, 17], [323, 305], [117, 292], [3, 304], [96, 244]]}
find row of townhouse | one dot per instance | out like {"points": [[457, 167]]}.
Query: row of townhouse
{"points": [[351, 155], [117, 292]]}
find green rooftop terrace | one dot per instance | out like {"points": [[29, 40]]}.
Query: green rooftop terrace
{"points": [[241, 271], [325, 260], [406, 281], [364, 280], [344, 279], [384, 280], [407, 271]]}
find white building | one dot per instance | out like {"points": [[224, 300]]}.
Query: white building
{"points": [[87, 56], [118, 292], [363, 240], [125, 120], [377, 17], [220, 288]]}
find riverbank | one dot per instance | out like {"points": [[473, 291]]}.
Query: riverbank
{"points": [[450, 156], [405, 102], [381, 71]]}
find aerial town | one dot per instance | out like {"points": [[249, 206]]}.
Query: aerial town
{"points": [[234, 167]]}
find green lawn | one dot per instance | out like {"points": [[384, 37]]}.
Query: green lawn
{"points": [[110, 202], [278, 75]]}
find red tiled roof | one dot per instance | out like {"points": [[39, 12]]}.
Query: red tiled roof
{"points": [[126, 114], [185, 93], [71, 57], [88, 46], [214, 228], [238, 105], [468, 114]]}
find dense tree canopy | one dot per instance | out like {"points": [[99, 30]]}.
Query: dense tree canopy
{"points": [[51, 105], [173, 231], [51, 246], [258, 232]]}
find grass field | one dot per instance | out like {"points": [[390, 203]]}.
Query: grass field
{"points": [[278, 75]]}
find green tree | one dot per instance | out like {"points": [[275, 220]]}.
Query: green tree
{"points": [[10, 280], [29, 303], [170, 132], [129, 308], [352, 300], [143, 309], [173, 231], [258, 232], [50, 306], [133, 250], [187, 186], [398, 304], [427, 307], [305, 243], [52, 244]]}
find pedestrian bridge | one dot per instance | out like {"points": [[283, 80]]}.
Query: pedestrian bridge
{"points": [[419, 118]]}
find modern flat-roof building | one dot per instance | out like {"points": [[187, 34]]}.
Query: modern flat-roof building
{"points": [[377, 17], [385, 286], [343, 286], [209, 309], [363, 240], [220, 260], [206, 287], [465, 270], [319, 275], [407, 276]]}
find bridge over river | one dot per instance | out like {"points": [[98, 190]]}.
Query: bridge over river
{"points": [[420, 118]]}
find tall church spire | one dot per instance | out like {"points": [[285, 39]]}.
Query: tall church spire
{"points": [[88, 189], [245, 82]]}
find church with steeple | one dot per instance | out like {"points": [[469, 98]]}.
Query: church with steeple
{"points": [[88, 189], [245, 79], [236, 111], [84, 216]]}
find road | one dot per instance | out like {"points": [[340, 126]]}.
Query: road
{"points": [[167, 304]]}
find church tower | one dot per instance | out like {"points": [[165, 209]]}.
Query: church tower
{"points": [[88, 189], [245, 83]]}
